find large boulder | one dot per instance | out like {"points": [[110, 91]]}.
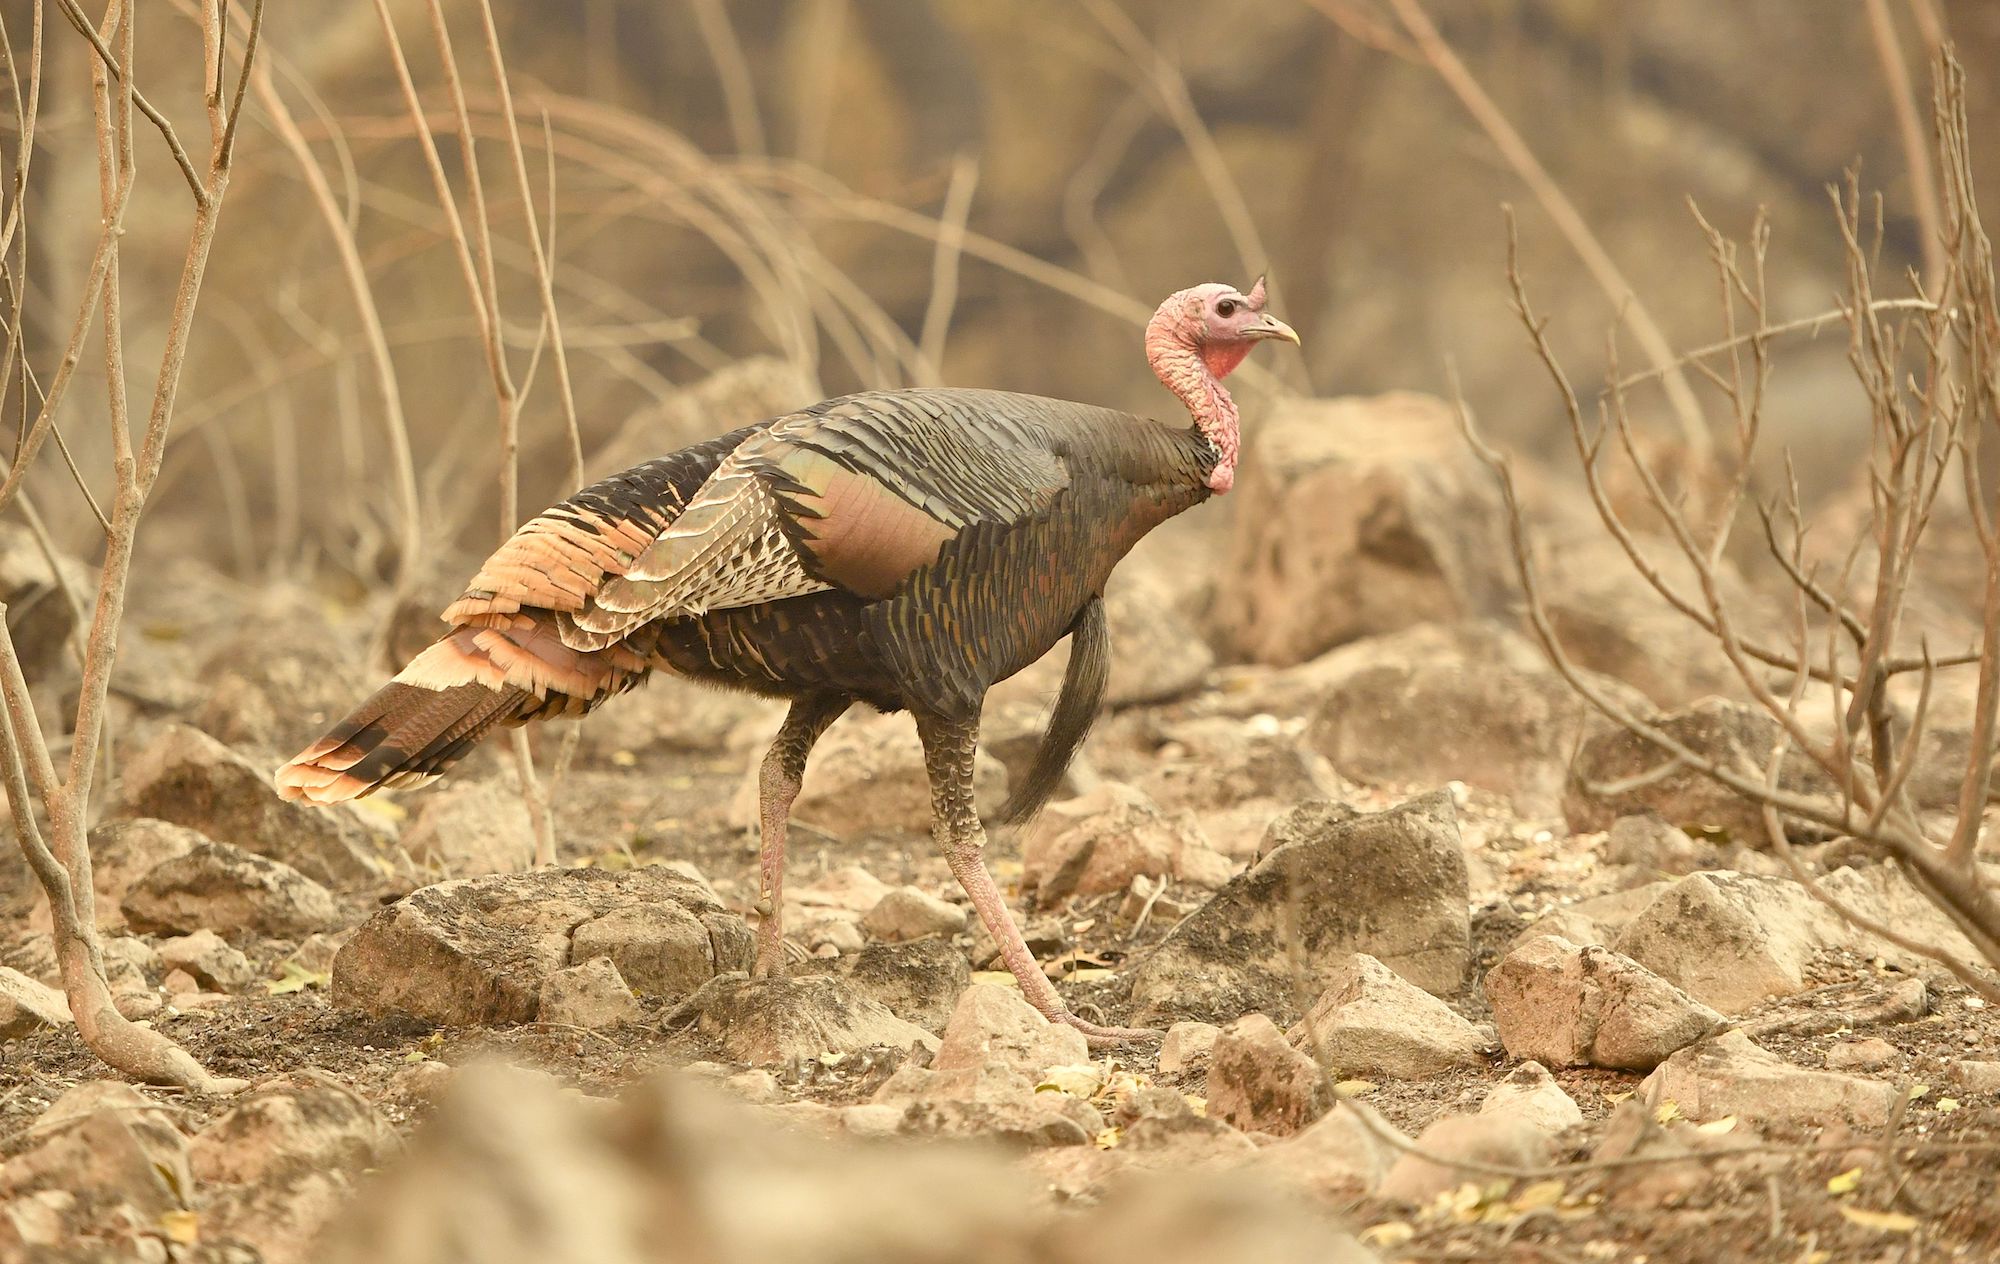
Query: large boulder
{"points": [[1617, 773], [187, 777], [1473, 701], [233, 892], [1370, 515], [1390, 884], [477, 950]]}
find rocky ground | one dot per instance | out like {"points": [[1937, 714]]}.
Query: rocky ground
{"points": [[1364, 888]]}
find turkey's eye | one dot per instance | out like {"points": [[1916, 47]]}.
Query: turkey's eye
{"points": [[1226, 308]]}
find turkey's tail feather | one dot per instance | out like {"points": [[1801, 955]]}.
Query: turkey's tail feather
{"points": [[405, 735], [507, 670]]}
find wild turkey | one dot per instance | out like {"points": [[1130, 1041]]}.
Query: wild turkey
{"points": [[905, 549]]}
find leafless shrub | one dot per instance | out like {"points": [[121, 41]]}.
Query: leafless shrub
{"points": [[53, 838], [1929, 369]]}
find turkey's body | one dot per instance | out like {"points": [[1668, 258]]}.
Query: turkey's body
{"points": [[905, 549]]}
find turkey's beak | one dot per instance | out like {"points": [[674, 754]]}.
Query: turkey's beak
{"points": [[1269, 326]]}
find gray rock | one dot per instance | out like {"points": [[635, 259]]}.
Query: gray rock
{"points": [[1530, 1093], [919, 981], [233, 892], [1730, 940], [208, 960], [1612, 773], [188, 778], [1336, 1157], [1649, 842], [1570, 1006], [994, 1025], [1391, 884], [1731, 1075], [1187, 1046], [1372, 515], [766, 1022], [1370, 1021], [993, 1103], [1258, 1082], [477, 950], [1423, 1174], [122, 852], [27, 1006], [591, 995], [1870, 1053], [907, 913], [468, 828], [116, 1151]]}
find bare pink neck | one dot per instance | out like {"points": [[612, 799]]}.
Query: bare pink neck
{"points": [[1186, 372]]}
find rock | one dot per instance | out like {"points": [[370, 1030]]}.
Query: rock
{"points": [[907, 913], [467, 828], [114, 1150], [670, 718], [208, 960], [1160, 1122], [769, 1021], [919, 981], [1335, 1157], [420, 1082], [1731, 1075], [316, 952], [281, 1162], [233, 892], [1570, 1006], [1258, 1082], [27, 1006], [756, 1086], [188, 778], [265, 688], [477, 950], [1730, 940], [994, 1025], [867, 774], [1370, 1021], [1531, 1094], [1100, 842], [1976, 1077], [1372, 515], [1475, 702], [993, 1102], [591, 995], [1596, 920], [1495, 1138], [1186, 1047], [1730, 733], [1391, 884], [849, 888], [121, 852], [1649, 842], [1870, 1053]]}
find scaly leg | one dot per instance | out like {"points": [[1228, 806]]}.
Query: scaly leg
{"points": [[777, 785], [948, 755]]}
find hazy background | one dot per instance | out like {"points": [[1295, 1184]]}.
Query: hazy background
{"points": [[769, 185]]}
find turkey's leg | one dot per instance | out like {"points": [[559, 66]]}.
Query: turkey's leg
{"points": [[948, 755], [777, 785]]}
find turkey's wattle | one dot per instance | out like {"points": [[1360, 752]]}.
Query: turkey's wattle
{"points": [[903, 549]]}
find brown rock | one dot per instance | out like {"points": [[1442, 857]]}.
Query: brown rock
{"points": [[121, 852], [1731, 1075], [235, 893], [1531, 1094], [1100, 842], [770, 1021], [919, 981], [1730, 940], [207, 959], [1187, 1046], [113, 1149], [27, 1006], [1391, 884], [476, 950], [1570, 1006], [994, 1102], [867, 774], [467, 828], [993, 1025], [907, 913], [591, 995], [1426, 1172], [1336, 1157], [1372, 515], [1871, 1053], [188, 778], [1370, 1021], [1258, 1082]]}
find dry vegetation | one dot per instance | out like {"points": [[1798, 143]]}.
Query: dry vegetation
{"points": [[1582, 858]]}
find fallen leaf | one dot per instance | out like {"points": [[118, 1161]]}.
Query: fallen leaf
{"points": [[382, 808], [1199, 1105], [1717, 1127], [1075, 1081], [182, 1227], [1918, 1090], [1539, 1195], [1845, 1182], [1002, 977], [1615, 1098], [1354, 1088], [624, 758], [1880, 1221], [1109, 1138], [1091, 974], [1667, 1112], [297, 978], [1945, 1105], [1388, 1233]]}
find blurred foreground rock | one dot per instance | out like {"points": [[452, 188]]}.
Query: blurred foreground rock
{"points": [[1370, 515], [1391, 884], [478, 950], [512, 1171]]}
